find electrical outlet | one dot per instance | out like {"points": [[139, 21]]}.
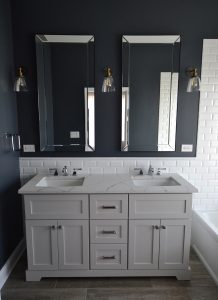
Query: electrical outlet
{"points": [[187, 148], [74, 134], [28, 148]]}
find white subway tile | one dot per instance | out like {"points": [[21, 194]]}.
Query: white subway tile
{"points": [[102, 163], [122, 170], [50, 163], [129, 163], [24, 163], [109, 170], [89, 163], [42, 171], [169, 163], [116, 163], [209, 163], [182, 163], [61, 163], [143, 163], [76, 164], [95, 170], [196, 163], [29, 170], [36, 163]]}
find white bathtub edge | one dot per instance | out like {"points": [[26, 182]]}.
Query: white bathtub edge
{"points": [[203, 260]]}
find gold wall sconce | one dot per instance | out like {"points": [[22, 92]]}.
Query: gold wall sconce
{"points": [[194, 82], [20, 84], [108, 82]]}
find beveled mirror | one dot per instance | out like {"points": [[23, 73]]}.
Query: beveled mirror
{"points": [[150, 76], [66, 92]]}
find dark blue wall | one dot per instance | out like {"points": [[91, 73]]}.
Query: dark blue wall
{"points": [[10, 202], [108, 21]]}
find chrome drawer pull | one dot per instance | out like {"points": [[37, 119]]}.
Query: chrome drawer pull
{"points": [[60, 227], [109, 257], [108, 207], [108, 231], [163, 227], [53, 227]]}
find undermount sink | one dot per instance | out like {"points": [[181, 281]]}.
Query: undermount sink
{"points": [[146, 180], [60, 181]]}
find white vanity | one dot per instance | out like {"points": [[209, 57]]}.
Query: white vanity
{"points": [[108, 225]]}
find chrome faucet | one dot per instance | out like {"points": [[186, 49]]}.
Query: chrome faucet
{"points": [[151, 170], [65, 171]]}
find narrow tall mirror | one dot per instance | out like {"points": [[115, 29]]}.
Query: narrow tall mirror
{"points": [[66, 92], [150, 69]]}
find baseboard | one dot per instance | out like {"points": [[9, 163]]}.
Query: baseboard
{"points": [[203, 260], [10, 263]]}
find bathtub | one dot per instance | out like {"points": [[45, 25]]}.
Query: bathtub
{"points": [[205, 239]]}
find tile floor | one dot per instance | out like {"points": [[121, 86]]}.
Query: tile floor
{"points": [[201, 287]]}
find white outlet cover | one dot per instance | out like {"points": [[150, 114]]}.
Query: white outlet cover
{"points": [[29, 148], [74, 134], [187, 148]]}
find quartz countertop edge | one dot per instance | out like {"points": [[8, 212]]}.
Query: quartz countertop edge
{"points": [[110, 184]]}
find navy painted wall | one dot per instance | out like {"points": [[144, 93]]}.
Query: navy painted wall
{"points": [[108, 21], [10, 202]]}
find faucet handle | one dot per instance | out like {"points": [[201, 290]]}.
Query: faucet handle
{"points": [[54, 170], [76, 169], [140, 170], [159, 170]]}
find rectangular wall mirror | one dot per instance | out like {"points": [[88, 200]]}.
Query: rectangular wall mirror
{"points": [[66, 92], [150, 72]]}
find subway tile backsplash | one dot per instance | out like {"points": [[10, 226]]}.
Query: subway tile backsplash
{"points": [[201, 171]]}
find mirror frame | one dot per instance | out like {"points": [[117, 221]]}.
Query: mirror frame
{"points": [[125, 108], [44, 38]]}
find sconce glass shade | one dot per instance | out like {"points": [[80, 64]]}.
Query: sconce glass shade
{"points": [[194, 82], [108, 82], [20, 81]]}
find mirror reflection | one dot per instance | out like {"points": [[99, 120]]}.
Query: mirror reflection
{"points": [[66, 92], [150, 69]]}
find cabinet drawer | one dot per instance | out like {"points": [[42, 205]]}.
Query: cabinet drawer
{"points": [[113, 256], [105, 206], [159, 206], [107, 231], [56, 206]]}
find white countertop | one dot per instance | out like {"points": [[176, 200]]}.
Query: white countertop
{"points": [[110, 183]]}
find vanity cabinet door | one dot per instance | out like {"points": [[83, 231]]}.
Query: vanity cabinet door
{"points": [[143, 244], [73, 244], [42, 248], [174, 244]]}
